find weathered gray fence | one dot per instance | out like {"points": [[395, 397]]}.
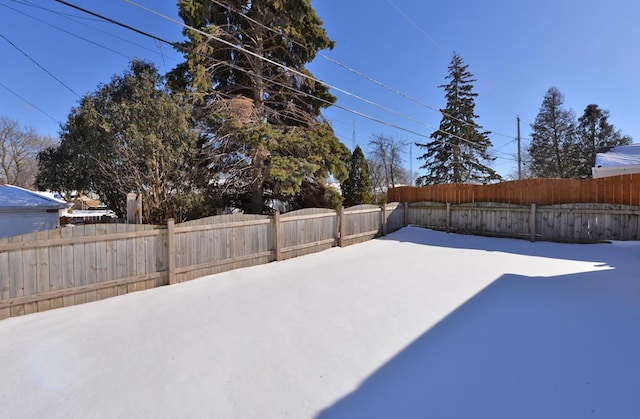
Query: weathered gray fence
{"points": [[74, 265], [566, 222]]}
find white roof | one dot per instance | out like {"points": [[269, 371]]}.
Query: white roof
{"points": [[14, 197], [91, 213], [624, 155]]}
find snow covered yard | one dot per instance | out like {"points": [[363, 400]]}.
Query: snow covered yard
{"points": [[414, 325]]}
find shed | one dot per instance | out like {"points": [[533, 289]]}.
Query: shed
{"points": [[619, 160], [23, 211]]}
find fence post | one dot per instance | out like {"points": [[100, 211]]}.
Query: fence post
{"points": [[131, 208], [448, 216], [532, 222], [340, 226], [405, 214], [384, 219], [171, 244], [277, 237]]}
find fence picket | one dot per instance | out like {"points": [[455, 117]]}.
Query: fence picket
{"points": [[4, 284], [67, 266], [43, 271]]}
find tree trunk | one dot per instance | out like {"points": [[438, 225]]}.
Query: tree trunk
{"points": [[257, 183]]}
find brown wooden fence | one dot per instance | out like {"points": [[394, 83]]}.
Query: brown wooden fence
{"points": [[621, 190], [74, 265]]}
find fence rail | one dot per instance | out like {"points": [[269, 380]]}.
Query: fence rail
{"points": [[74, 265], [620, 190]]}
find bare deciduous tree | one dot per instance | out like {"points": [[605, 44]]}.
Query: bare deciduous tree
{"points": [[385, 162], [19, 148]]}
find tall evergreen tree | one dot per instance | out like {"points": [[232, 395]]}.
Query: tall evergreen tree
{"points": [[458, 150], [356, 189], [553, 147], [595, 132], [259, 110]]}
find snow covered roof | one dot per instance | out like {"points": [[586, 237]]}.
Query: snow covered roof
{"points": [[624, 155], [53, 195], [13, 197]]}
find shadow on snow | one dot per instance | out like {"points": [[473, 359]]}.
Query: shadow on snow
{"points": [[524, 347]]}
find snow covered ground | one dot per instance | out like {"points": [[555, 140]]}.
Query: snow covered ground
{"points": [[419, 324]]}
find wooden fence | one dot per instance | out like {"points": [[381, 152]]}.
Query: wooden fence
{"points": [[619, 190], [574, 223], [74, 265]]}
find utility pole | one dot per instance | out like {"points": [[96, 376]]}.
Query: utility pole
{"points": [[411, 164], [519, 156]]}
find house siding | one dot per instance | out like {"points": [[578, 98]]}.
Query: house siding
{"points": [[15, 223]]}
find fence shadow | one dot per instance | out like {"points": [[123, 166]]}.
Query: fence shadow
{"points": [[558, 347], [524, 347], [557, 250]]}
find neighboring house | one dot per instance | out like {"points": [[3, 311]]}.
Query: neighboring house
{"points": [[614, 161], [23, 211], [88, 202]]}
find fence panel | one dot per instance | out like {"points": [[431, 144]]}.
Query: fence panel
{"points": [[360, 223], [566, 222], [307, 231], [71, 265], [587, 222], [4, 284], [428, 214], [395, 216], [220, 243]]}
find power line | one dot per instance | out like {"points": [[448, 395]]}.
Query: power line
{"points": [[241, 69], [26, 3], [242, 49], [40, 66], [270, 61], [124, 25], [356, 72], [419, 28], [30, 104], [37, 6], [416, 26], [176, 45], [75, 18], [65, 31]]}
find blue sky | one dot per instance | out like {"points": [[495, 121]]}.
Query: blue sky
{"points": [[516, 50]]}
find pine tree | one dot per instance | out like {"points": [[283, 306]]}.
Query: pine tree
{"points": [[458, 150], [257, 106], [356, 189], [595, 132], [553, 148]]}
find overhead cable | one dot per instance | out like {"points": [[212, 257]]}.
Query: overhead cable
{"points": [[39, 65], [177, 46], [30, 104], [354, 71]]}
